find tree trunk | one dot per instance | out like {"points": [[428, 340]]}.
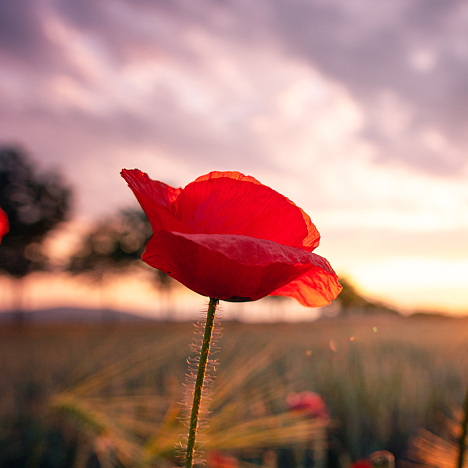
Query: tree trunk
{"points": [[19, 317]]}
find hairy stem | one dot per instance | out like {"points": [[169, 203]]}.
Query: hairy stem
{"points": [[462, 440], [197, 394]]}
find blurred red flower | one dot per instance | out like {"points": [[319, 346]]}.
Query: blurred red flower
{"points": [[221, 460], [227, 236], [310, 403], [4, 225], [363, 463]]}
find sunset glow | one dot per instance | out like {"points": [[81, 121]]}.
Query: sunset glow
{"points": [[367, 135]]}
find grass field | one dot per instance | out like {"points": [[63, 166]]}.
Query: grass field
{"points": [[110, 393]]}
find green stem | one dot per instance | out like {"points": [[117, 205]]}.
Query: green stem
{"points": [[205, 351], [462, 441]]}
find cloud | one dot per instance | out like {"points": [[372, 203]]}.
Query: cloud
{"points": [[20, 31], [416, 51], [327, 101]]}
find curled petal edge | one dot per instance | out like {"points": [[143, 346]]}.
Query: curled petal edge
{"points": [[156, 199], [315, 288]]}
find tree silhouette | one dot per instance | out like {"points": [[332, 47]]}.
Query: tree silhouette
{"points": [[34, 204], [114, 245], [351, 302]]}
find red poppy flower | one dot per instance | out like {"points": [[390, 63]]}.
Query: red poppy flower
{"points": [[310, 403], [227, 236], [221, 460], [363, 463], [4, 225]]}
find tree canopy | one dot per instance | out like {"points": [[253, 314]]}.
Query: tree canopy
{"points": [[115, 244], [352, 302], [34, 203]]}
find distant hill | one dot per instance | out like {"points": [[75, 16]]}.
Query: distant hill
{"points": [[428, 314], [73, 315]]}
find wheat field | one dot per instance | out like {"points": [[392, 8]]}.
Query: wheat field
{"points": [[71, 394]]}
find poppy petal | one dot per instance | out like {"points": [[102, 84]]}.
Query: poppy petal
{"points": [[4, 225], [315, 288], [156, 199], [229, 266], [231, 203], [230, 174]]}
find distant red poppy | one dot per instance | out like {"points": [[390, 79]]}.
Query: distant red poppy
{"points": [[4, 225], [363, 463], [310, 403], [227, 236], [221, 460]]}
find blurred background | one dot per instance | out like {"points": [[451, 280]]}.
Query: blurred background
{"points": [[356, 110]]}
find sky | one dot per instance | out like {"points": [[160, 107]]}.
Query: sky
{"points": [[355, 110]]}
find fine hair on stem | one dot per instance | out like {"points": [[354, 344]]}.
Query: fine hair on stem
{"points": [[198, 385]]}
